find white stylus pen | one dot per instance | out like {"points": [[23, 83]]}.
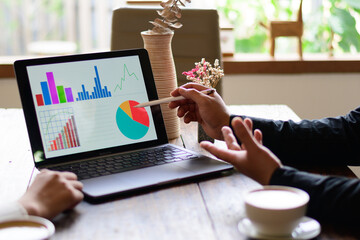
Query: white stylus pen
{"points": [[170, 99]]}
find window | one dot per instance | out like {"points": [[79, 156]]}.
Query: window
{"points": [[327, 24], [87, 24]]}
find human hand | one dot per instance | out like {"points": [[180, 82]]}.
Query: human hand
{"points": [[251, 158], [209, 110], [51, 193]]}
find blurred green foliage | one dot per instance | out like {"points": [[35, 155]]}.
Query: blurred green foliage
{"points": [[326, 23], [43, 19], [54, 6]]}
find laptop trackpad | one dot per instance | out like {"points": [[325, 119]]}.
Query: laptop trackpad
{"points": [[124, 181]]}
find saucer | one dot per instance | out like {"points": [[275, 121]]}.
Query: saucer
{"points": [[308, 228]]}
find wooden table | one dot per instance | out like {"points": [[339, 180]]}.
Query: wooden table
{"points": [[209, 209]]}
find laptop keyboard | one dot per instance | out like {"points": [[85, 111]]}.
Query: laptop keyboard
{"points": [[125, 162]]}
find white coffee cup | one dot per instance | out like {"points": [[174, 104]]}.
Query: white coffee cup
{"points": [[276, 210], [26, 228]]}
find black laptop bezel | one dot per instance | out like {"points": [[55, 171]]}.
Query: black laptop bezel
{"points": [[30, 112]]}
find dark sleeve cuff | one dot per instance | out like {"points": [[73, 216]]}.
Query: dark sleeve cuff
{"points": [[333, 199], [278, 177]]}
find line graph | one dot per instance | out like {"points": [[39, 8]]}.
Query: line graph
{"points": [[126, 75]]}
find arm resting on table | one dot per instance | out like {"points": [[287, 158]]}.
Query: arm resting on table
{"points": [[332, 199], [331, 141]]}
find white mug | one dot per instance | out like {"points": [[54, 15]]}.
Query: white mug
{"points": [[276, 210], [26, 228]]}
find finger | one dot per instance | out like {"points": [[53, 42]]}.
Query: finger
{"points": [[69, 175], [190, 117], [77, 185], [173, 104], [193, 85], [182, 110], [249, 123], [176, 104], [230, 139], [243, 133], [242, 147], [224, 154], [77, 197], [193, 94], [196, 86], [175, 92], [258, 136]]}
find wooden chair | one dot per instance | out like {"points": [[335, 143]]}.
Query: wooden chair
{"points": [[286, 29], [199, 37]]}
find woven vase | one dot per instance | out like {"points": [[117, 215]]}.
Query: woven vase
{"points": [[163, 67]]}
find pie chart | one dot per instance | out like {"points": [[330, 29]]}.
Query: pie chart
{"points": [[132, 122]]}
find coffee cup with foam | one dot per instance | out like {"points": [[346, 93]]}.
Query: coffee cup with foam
{"points": [[26, 228], [276, 210]]}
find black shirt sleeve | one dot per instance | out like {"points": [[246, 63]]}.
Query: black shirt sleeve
{"points": [[324, 142], [332, 199], [331, 141]]}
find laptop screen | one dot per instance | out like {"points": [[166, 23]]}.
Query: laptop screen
{"points": [[87, 105]]}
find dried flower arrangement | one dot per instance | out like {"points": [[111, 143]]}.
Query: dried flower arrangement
{"points": [[205, 74], [170, 15]]}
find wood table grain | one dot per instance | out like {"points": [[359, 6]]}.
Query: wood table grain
{"points": [[206, 209]]}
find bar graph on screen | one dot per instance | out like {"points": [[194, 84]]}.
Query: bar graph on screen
{"points": [[52, 94], [59, 129], [98, 92]]}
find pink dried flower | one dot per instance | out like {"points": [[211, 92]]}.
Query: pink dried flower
{"points": [[205, 74]]}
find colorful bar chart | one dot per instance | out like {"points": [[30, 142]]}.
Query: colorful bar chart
{"points": [[67, 138], [59, 129], [98, 92], [52, 94]]}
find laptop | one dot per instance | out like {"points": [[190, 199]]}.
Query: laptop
{"points": [[80, 117]]}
